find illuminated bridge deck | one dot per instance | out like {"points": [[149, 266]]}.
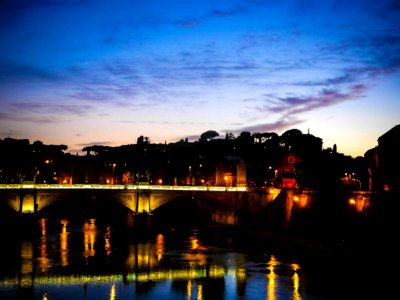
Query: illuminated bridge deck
{"points": [[124, 187], [31, 197]]}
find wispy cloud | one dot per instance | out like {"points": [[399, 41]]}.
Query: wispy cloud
{"points": [[43, 112], [325, 98], [289, 111], [277, 126]]}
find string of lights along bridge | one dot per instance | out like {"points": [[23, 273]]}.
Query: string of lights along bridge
{"points": [[125, 187]]}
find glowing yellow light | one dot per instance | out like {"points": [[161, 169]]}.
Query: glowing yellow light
{"points": [[194, 244], [160, 181], [296, 282], [189, 289], [199, 291], [42, 223], [44, 261], [295, 198], [241, 274], [26, 258], [107, 244], [272, 278], [28, 204], [196, 257], [89, 237], [113, 293], [64, 243], [352, 201], [160, 246]]}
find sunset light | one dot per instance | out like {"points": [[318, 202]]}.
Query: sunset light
{"points": [[170, 71]]}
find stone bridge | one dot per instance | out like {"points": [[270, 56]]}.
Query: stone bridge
{"points": [[224, 203], [32, 198]]}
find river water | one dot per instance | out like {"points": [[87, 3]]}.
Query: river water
{"points": [[92, 259]]}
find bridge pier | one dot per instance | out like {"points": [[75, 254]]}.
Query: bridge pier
{"points": [[142, 222], [28, 202]]}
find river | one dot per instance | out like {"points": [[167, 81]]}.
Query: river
{"points": [[95, 259]]}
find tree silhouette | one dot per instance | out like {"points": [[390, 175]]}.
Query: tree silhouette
{"points": [[208, 135]]}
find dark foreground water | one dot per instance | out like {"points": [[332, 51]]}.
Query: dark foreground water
{"points": [[89, 259]]}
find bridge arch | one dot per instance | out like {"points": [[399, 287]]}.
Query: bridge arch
{"points": [[83, 206]]}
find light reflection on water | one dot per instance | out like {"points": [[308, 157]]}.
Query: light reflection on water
{"points": [[89, 238], [91, 261]]}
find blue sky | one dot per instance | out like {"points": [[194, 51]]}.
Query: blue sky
{"points": [[85, 72]]}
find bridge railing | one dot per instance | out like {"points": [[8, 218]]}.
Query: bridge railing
{"points": [[123, 187]]}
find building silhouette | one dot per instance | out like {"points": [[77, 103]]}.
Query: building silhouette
{"points": [[384, 162]]}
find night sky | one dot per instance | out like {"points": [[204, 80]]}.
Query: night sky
{"points": [[86, 72]]}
